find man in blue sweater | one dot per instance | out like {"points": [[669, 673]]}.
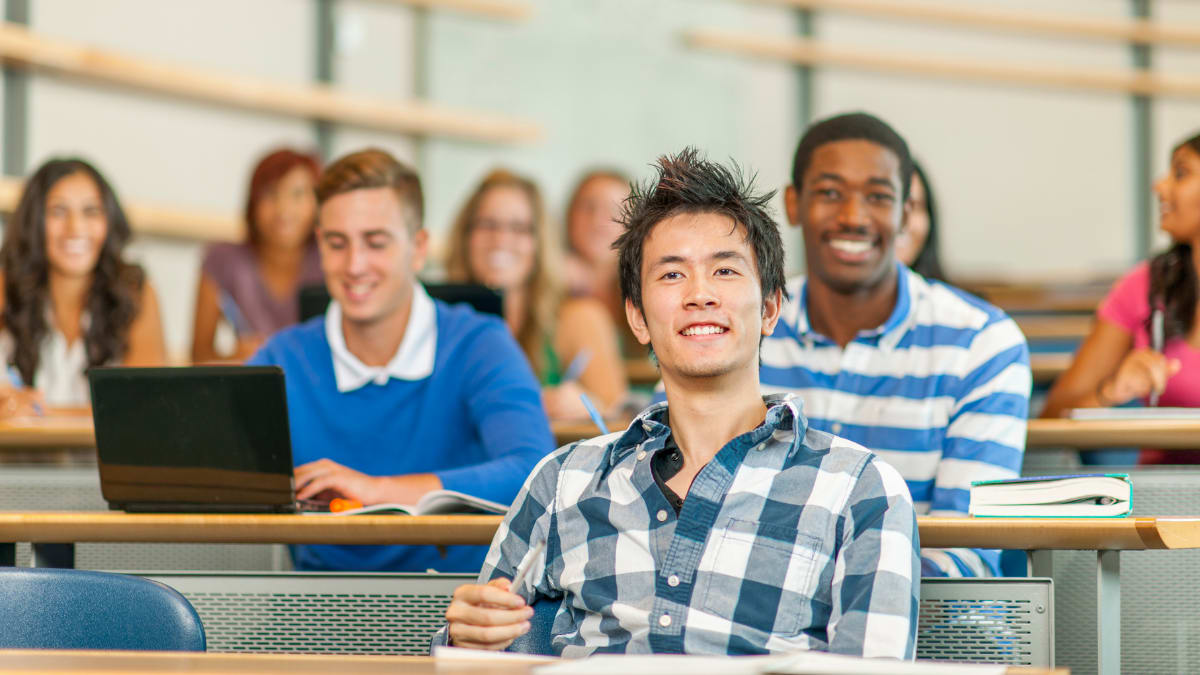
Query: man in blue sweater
{"points": [[392, 394]]}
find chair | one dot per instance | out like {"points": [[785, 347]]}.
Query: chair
{"points": [[80, 609]]}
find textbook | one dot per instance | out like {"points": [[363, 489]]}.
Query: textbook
{"points": [[1133, 413], [1108, 495], [434, 503]]}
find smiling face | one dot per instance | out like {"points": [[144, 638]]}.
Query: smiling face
{"points": [[702, 305], [369, 257], [850, 206], [284, 215], [1179, 196], [502, 244], [76, 225], [592, 221]]}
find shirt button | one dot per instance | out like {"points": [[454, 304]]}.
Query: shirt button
{"points": [[673, 580], [641, 455], [661, 515], [664, 620], [836, 428], [646, 427]]}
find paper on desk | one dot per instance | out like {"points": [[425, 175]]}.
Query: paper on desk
{"points": [[661, 664], [820, 663], [805, 663], [443, 653]]}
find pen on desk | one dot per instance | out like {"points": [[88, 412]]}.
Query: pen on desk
{"points": [[578, 364], [17, 382], [526, 568], [1156, 343], [595, 414]]}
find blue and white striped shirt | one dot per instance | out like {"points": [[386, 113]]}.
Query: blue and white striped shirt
{"points": [[789, 539], [940, 391]]}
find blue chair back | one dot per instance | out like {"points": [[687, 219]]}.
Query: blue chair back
{"points": [[81, 609]]}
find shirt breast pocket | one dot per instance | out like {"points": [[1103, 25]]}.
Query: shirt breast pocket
{"points": [[761, 576]]}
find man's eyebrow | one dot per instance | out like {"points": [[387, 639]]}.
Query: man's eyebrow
{"points": [[668, 260], [827, 176], [881, 181], [728, 255]]}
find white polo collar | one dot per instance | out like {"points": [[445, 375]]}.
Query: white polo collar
{"points": [[413, 359]]}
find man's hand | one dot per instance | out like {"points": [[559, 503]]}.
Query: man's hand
{"points": [[487, 617], [326, 478]]}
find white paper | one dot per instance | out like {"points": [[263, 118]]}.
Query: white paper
{"points": [[661, 664], [820, 663], [443, 653]]}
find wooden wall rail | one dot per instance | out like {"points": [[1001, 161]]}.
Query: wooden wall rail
{"points": [[23, 47], [1009, 20], [813, 52], [495, 9], [152, 219]]}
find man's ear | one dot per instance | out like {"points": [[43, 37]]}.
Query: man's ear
{"points": [[772, 307], [637, 322], [791, 203], [420, 249]]}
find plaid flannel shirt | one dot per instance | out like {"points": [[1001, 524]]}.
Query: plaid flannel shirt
{"points": [[789, 539]]}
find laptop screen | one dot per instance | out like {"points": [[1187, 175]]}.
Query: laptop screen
{"points": [[216, 435]]}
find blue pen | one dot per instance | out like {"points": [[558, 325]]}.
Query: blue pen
{"points": [[595, 414], [14, 379], [578, 365], [233, 314]]}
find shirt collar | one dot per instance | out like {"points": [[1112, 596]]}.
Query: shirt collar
{"points": [[890, 332], [413, 359], [785, 413]]}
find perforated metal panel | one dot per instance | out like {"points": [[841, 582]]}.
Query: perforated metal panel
{"points": [[1160, 590], [77, 488], [1008, 621], [318, 612]]}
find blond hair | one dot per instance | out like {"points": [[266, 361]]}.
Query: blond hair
{"points": [[543, 288]]}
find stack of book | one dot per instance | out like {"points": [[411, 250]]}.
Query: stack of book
{"points": [[1082, 496]]}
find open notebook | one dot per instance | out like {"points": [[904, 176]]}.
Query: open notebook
{"points": [[433, 503]]}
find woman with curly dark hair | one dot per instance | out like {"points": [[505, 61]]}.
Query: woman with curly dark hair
{"points": [[70, 300], [1123, 359]]}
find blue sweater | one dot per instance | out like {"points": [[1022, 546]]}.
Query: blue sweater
{"points": [[476, 422]]}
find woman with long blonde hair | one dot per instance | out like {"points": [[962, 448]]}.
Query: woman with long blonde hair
{"points": [[501, 239]]}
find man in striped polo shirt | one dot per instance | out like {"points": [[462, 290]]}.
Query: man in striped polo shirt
{"points": [[933, 380]]}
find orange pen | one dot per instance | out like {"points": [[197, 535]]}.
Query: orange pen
{"points": [[339, 504]]}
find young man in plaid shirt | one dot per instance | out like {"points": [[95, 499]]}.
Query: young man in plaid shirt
{"points": [[719, 521]]}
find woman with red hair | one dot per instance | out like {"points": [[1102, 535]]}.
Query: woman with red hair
{"points": [[253, 286]]}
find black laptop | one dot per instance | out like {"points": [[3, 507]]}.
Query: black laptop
{"points": [[203, 439], [314, 299]]}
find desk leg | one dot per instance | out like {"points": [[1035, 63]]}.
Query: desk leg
{"points": [[1108, 611], [8, 555], [1041, 563], [53, 555]]}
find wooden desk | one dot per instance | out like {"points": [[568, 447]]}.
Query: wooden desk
{"points": [[1084, 434], [164, 663], [1055, 326], [569, 431], [1047, 366], [641, 372], [47, 432]]}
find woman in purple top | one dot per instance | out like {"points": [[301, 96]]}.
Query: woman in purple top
{"points": [[254, 285], [1120, 360]]}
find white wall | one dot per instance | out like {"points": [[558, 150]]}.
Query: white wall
{"points": [[1031, 182]]}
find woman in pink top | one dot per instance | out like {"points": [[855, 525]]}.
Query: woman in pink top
{"points": [[1117, 363]]}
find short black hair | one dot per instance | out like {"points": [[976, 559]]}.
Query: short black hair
{"points": [[689, 183], [850, 127]]}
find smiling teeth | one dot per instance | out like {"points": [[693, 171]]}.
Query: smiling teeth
{"points": [[851, 245], [703, 330], [74, 246]]}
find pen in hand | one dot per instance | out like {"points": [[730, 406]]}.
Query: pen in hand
{"points": [[525, 569], [593, 413]]}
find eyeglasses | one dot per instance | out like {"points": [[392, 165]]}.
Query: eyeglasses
{"points": [[523, 228]]}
